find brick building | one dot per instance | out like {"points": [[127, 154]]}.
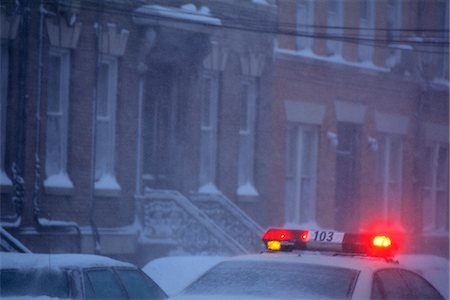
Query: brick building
{"points": [[360, 93], [143, 128], [107, 105]]}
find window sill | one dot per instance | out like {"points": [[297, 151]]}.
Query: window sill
{"points": [[107, 186], [209, 188], [247, 190], [59, 184]]}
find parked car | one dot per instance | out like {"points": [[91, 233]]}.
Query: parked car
{"points": [[74, 276], [303, 264]]}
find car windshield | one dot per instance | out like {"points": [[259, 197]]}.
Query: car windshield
{"points": [[33, 282], [275, 280]]}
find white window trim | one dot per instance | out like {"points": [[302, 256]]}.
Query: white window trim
{"points": [[107, 184], [305, 26], [336, 45], [4, 77], [246, 185], [296, 177], [386, 179], [432, 226], [367, 29], [60, 182], [208, 147]]}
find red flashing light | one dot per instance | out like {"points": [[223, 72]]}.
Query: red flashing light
{"points": [[304, 236], [277, 234]]}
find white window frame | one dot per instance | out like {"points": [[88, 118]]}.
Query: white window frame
{"points": [[105, 178], [367, 29], [394, 18], [390, 185], [443, 61], [208, 131], [434, 184], [297, 209], [246, 185], [305, 24], [394, 21], [335, 19], [58, 177], [4, 77]]}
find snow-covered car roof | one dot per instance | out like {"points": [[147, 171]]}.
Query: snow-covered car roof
{"points": [[174, 273], [364, 266], [41, 260]]}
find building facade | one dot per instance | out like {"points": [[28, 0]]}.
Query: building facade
{"points": [[104, 102], [362, 88], [137, 129]]}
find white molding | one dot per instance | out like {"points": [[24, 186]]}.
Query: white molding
{"points": [[391, 123], [350, 112], [436, 133], [304, 112]]}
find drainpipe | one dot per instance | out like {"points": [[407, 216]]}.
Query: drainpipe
{"points": [[95, 232], [37, 193], [18, 166]]}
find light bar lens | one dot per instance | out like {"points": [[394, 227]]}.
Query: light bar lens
{"points": [[273, 245], [382, 241]]}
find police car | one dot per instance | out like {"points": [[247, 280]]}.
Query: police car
{"points": [[303, 264]]}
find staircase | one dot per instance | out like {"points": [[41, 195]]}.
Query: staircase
{"points": [[203, 224]]}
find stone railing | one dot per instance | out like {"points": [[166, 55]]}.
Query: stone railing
{"points": [[231, 219], [169, 218]]}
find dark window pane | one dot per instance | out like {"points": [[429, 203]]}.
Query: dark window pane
{"points": [[284, 280], [139, 286], [391, 285], [104, 285], [420, 288], [34, 282]]}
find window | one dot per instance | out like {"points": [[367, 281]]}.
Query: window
{"points": [[394, 19], [390, 175], [366, 29], [442, 23], [394, 23], [301, 173], [335, 27], [305, 23], [247, 138], [418, 286], [435, 189], [101, 284], [139, 286], [4, 74], [347, 198], [106, 124], [57, 119], [388, 284], [208, 128], [251, 279], [401, 284], [32, 283]]}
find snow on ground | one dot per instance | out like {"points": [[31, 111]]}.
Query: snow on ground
{"points": [[174, 273]]}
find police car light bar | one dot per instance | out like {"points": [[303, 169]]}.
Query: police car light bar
{"points": [[282, 239]]}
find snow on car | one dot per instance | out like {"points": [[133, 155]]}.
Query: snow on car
{"points": [[78, 276], [186, 268], [344, 266]]}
